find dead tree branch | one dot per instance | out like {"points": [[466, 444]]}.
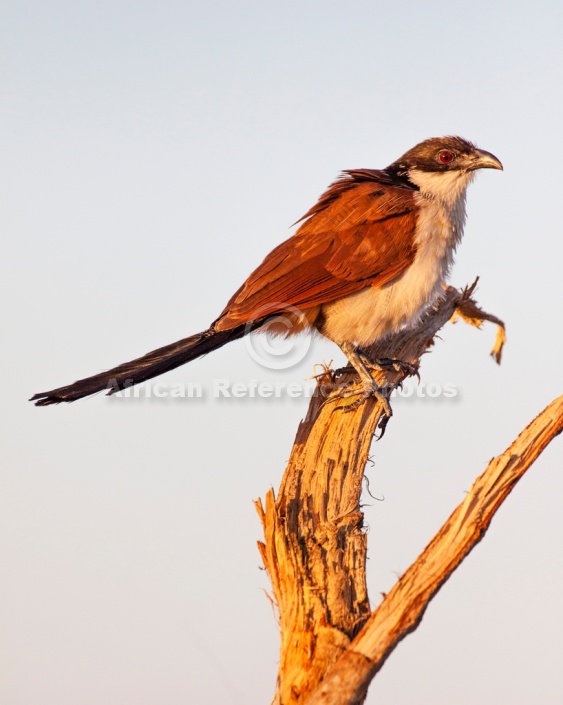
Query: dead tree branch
{"points": [[315, 547], [403, 607]]}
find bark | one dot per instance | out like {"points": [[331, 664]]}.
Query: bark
{"points": [[315, 547]]}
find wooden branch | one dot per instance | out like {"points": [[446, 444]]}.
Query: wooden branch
{"points": [[403, 607], [315, 546]]}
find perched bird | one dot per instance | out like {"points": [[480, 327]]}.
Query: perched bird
{"points": [[367, 261]]}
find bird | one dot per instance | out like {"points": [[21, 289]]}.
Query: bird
{"points": [[367, 261]]}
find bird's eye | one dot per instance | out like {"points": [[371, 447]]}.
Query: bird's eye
{"points": [[446, 157]]}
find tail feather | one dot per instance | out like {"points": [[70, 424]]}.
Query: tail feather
{"points": [[146, 367]]}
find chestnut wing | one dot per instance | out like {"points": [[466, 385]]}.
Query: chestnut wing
{"points": [[364, 237]]}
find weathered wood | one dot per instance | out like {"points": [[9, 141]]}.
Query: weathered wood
{"points": [[402, 608], [315, 546]]}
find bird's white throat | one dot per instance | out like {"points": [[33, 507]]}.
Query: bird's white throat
{"points": [[448, 187]]}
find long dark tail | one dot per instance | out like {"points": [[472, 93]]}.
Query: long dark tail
{"points": [[150, 365]]}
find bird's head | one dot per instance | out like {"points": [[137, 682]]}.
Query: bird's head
{"points": [[443, 167]]}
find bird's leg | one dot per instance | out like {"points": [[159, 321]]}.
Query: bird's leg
{"points": [[370, 388]]}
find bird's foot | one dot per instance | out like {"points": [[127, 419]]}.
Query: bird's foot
{"points": [[366, 391], [407, 369], [363, 365]]}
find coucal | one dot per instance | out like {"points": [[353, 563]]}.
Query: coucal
{"points": [[367, 261]]}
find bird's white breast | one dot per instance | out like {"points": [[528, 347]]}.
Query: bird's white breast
{"points": [[375, 312]]}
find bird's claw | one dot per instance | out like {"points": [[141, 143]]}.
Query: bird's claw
{"points": [[371, 388], [407, 369], [367, 391]]}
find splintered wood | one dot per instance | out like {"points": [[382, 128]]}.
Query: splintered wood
{"points": [[315, 546]]}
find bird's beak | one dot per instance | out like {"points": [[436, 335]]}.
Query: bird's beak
{"points": [[484, 160]]}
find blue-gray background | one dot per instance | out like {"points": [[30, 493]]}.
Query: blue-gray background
{"points": [[152, 154]]}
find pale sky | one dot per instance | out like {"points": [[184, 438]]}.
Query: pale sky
{"points": [[153, 154]]}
